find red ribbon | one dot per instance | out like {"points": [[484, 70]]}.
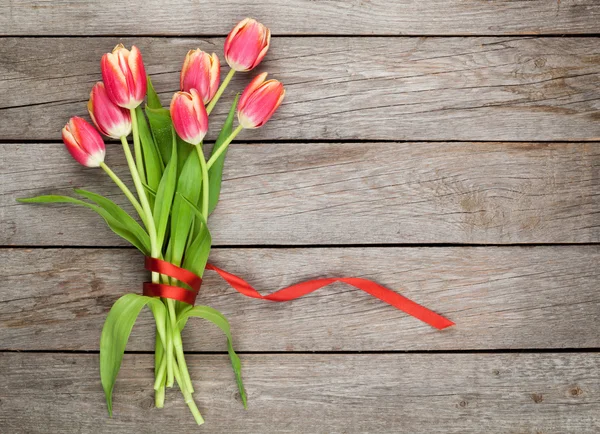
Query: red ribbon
{"points": [[169, 291], [286, 294]]}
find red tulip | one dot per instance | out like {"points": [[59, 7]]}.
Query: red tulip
{"points": [[83, 142], [259, 101], [124, 76], [189, 116], [202, 72], [112, 120], [246, 45]]}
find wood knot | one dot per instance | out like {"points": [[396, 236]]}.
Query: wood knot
{"points": [[537, 397], [463, 404], [576, 391]]}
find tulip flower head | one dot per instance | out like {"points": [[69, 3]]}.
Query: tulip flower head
{"points": [[259, 101], [83, 142], [112, 120], [124, 76], [189, 116], [247, 45], [202, 72]]}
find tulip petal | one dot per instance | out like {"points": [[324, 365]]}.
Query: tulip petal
{"points": [[83, 142], [114, 79], [246, 45], [251, 88], [259, 101], [138, 74]]}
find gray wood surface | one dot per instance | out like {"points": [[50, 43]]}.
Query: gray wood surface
{"points": [[346, 193], [500, 298], [302, 393], [337, 17], [342, 87], [409, 127]]}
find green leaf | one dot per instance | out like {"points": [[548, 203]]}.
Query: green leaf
{"points": [[153, 99], [117, 212], [197, 252], [149, 190], [215, 173], [164, 195], [183, 152], [217, 318], [188, 186], [118, 220], [161, 125], [153, 164], [115, 334]]}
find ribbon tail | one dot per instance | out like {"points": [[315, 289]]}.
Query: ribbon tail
{"points": [[300, 289]]}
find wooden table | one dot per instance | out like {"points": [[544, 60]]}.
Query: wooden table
{"points": [[447, 149]]}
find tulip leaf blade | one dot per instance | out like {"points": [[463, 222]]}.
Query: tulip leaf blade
{"points": [[160, 123], [197, 252], [218, 319], [153, 164], [153, 99], [164, 195], [215, 173], [188, 186], [117, 212], [115, 334], [183, 152], [133, 233]]}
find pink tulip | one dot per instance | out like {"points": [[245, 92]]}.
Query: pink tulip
{"points": [[124, 76], [83, 142], [259, 101], [246, 45], [202, 72], [112, 120], [189, 116]]}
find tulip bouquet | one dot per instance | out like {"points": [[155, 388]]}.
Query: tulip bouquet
{"points": [[176, 189]]}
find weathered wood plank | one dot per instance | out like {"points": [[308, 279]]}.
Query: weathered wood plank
{"points": [[342, 88], [500, 298], [331, 193], [410, 17], [302, 393]]}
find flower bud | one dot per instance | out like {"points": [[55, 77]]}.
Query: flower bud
{"points": [[259, 101], [202, 72], [112, 120], [189, 116], [247, 44], [124, 76], [83, 142]]}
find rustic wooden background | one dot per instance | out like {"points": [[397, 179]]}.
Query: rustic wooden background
{"points": [[448, 149]]}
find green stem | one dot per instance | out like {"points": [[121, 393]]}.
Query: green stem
{"points": [[159, 396], [139, 161], [189, 400], [159, 376], [223, 147], [144, 201], [205, 186], [126, 191], [169, 356], [178, 344], [220, 91]]}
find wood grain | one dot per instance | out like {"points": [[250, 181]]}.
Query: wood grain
{"points": [[330, 193], [302, 393], [343, 88], [500, 298], [300, 17]]}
